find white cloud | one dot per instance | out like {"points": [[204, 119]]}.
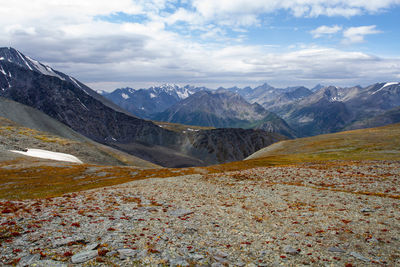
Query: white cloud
{"points": [[71, 37], [356, 34], [325, 30], [244, 12]]}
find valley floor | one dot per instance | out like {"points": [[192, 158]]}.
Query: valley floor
{"points": [[337, 213]]}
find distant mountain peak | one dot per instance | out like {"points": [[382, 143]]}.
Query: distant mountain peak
{"points": [[317, 87], [145, 102], [167, 87]]}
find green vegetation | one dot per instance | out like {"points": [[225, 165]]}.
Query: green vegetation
{"points": [[23, 178], [176, 127], [381, 143]]}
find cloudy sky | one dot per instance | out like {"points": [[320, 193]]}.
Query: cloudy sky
{"points": [[138, 43]]}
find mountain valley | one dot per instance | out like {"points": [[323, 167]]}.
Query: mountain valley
{"points": [[63, 98]]}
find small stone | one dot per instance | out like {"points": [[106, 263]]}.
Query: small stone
{"points": [[28, 260], [180, 212], [221, 254], [142, 254], [217, 264], [84, 256], [336, 250], [359, 256], [126, 252], [239, 264], [373, 240], [221, 260], [111, 253], [92, 246], [290, 250], [197, 257], [66, 241], [178, 262], [48, 263], [367, 210]]}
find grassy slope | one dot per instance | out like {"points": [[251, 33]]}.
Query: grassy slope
{"points": [[375, 143], [176, 127], [22, 178], [14, 136], [381, 143], [35, 180]]}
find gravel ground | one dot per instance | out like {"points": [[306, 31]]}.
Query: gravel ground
{"points": [[336, 214]]}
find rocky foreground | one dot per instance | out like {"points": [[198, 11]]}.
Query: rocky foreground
{"points": [[340, 214]]}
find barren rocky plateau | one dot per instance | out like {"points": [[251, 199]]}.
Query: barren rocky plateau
{"points": [[340, 213]]}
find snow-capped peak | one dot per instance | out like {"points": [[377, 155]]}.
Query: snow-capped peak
{"points": [[167, 87], [46, 70], [14, 56], [183, 94], [385, 85], [171, 89]]}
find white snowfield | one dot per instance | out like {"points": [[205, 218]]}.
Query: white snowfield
{"points": [[45, 154]]}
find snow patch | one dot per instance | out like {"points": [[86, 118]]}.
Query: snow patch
{"points": [[385, 85], [26, 63], [124, 96], [183, 95], [43, 69], [75, 82], [389, 84], [46, 154], [305, 119], [2, 71], [83, 105], [1, 58], [192, 130], [152, 95]]}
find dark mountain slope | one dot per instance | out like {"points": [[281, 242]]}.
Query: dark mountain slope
{"points": [[11, 55], [388, 117], [227, 145], [221, 109], [72, 106]]}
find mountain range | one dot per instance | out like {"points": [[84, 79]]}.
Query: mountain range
{"points": [[223, 109], [292, 111], [146, 102], [333, 109], [69, 101]]}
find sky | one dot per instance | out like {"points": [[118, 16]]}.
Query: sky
{"points": [[141, 43]]}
